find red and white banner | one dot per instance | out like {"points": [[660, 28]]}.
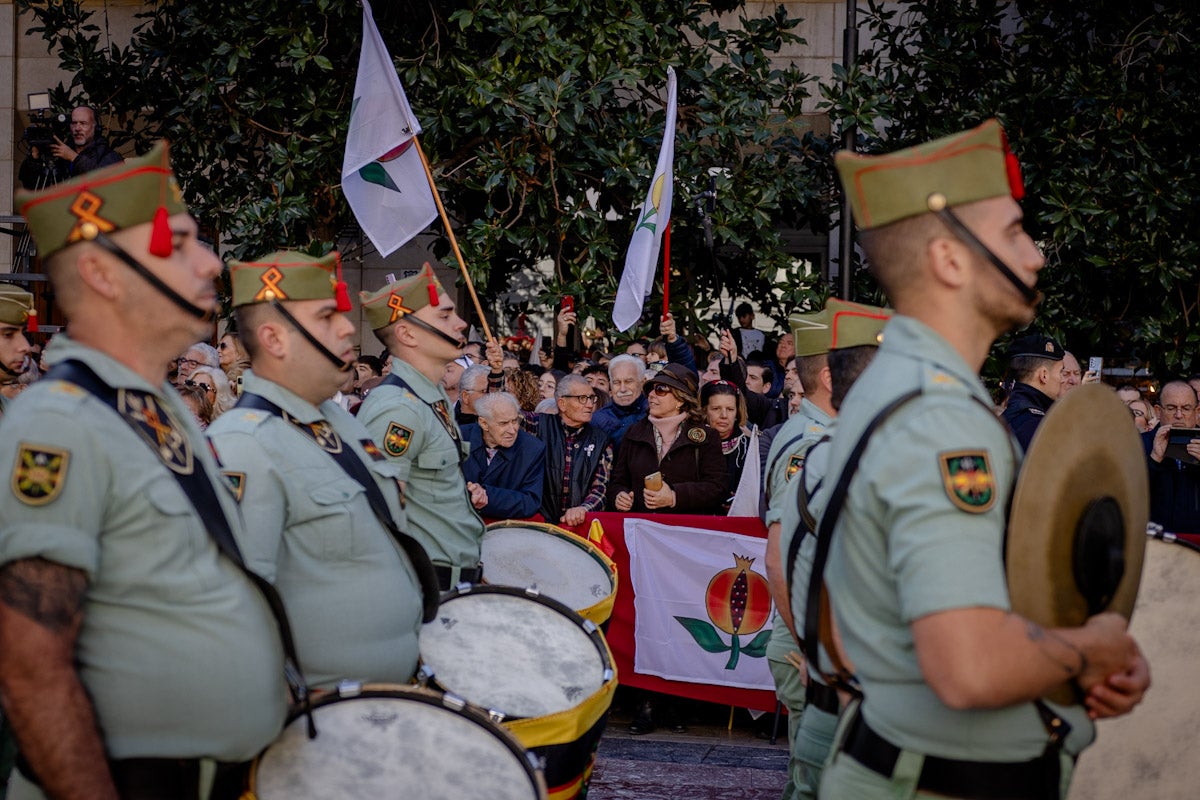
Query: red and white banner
{"points": [[707, 545]]}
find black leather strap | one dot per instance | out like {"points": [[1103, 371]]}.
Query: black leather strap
{"points": [[440, 410], [203, 496], [445, 574], [353, 466], [821, 696]]}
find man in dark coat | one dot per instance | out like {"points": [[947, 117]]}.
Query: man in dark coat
{"points": [[1035, 366], [505, 467], [578, 454]]}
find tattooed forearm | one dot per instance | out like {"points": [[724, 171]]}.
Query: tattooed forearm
{"points": [[47, 593], [1047, 641]]}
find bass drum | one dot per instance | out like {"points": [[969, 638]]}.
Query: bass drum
{"points": [[399, 742], [554, 561], [1144, 754], [537, 666]]}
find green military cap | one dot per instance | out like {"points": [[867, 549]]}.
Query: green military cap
{"points": [[136, 191], [16, 306], [393, 301], [288, 275], [963, 168], [837, 326]]}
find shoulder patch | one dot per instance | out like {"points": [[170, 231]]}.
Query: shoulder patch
{"points": [[697, 435], [236, 482], [397, 439], [794, 465], [1037, 412], [967, 476], [67, 388], [372, 449], [39, 474]]}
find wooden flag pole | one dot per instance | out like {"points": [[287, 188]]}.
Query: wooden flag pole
{"points": [[667, 271], [437, 198]]}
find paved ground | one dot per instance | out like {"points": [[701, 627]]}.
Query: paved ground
{"points": [[706, 763]]}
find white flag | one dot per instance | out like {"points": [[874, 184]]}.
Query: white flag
{"points": [[641, 261], [703, 611], [749, 490], [382, 175]]}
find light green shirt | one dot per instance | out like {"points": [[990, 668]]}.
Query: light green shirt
{"points": [[785, 460], [178, 651], [402, 422], [922, 531], [350, 591]]}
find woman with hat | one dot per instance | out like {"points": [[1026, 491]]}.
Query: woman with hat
{"points": [[670, 462], [725, 410]]}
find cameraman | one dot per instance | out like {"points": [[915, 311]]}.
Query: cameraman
{"points": [[87, 152]]}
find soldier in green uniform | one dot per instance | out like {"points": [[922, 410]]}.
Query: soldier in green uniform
{"points": [[137, 658], [409, 415], [16, 309], [951, 676], [349, 586], [832, 346]]}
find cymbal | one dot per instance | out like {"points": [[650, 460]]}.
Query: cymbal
{"points": [[1077, 526]]}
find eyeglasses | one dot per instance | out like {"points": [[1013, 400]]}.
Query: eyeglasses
{"points": [[224, 346], [1179, 409], [196, 384], [1137, 413], [660, 389], [188, 362], [586, 399]]}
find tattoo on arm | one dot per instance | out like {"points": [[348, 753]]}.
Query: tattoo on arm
{"points": [[47, 593], [1040, 636]]}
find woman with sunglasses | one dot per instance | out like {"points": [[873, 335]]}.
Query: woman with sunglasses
{"points": [[725, 410], [673, 447]]}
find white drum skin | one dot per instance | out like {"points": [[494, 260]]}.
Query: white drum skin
{"points": [[539, 557]]}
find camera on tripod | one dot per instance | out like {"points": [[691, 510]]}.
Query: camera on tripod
{"points": [[45, 125]]}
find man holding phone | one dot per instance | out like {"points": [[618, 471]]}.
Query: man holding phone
{"points": [[1174, 460]]}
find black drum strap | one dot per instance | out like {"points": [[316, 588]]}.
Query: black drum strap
{"points": [[353, 466], [837, 500], [203, 497], [807, 524], [439, 409]]}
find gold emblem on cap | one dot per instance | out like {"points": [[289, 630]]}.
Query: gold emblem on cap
{"points": [[936, 202], [270, 291], [86, 207]]}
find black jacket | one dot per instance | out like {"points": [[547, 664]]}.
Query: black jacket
{"points": [[1025, 410]]}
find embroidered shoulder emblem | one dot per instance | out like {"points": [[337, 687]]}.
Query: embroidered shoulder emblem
{"points": [[39, 474], [794, 465], [967, 476], [1037, 412], [372, 449], [236, 482], [396, 440], [697, 435]]}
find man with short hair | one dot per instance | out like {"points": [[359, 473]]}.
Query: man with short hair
{"points": [[16, 309], [409, 415], [471, 386], [138, 656], [759, 376], [578, 454], [749, 339], [1174, 480], [506, 465], [1072, 375], [597, 377], [200, 354], [88, 151], [297, 462], [627, 403], [638, 349], [1035, 365], [952, 677], [452, 375]]}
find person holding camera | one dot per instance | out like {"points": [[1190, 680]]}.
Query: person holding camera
{"points": [[86, 152]]}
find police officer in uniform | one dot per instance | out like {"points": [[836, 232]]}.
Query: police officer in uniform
{"points": [[410, 416], [1035, 365], [832, 346], [137, 659], [311, 529], [16, 311], [951, 676]]}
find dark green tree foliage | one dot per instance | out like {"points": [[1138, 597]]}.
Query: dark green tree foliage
{"points": [[542, 121], [1100, 100]]}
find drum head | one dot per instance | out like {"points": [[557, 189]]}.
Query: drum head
{"points": [[546, 560], [399, 743], [522, 656]]}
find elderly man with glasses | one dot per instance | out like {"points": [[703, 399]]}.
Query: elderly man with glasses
{"points": [[1173, 452], [578, 454]]}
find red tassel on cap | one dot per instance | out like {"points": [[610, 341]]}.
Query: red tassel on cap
{"points": [[31, 322], [341, 292], [433, 293], [1016, 184], [160, 234]]}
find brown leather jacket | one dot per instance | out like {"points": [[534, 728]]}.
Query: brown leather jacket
{"points": [[694, 467]]}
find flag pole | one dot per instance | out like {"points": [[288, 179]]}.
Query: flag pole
{"points": [[437, 198], [667, 271]]}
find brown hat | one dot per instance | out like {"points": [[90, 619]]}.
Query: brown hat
{"points": [[963, 167], [1077, 529], [678, 377], [16, 306], [288, 275], [122, 196], [392, 302], [839, 325]]}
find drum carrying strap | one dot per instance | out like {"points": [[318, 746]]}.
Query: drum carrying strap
{"points": [[439, 409], [200, 491], [353, 466]]}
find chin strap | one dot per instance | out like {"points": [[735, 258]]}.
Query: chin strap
{"points": [[937, 204], [92, 233], [342, 366], [4, 368], [420, 323]]}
